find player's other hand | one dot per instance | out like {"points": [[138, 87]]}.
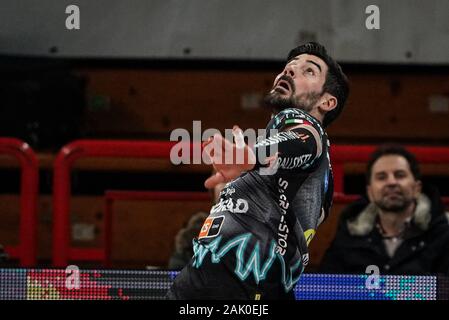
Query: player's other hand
{"points": [[229, 159]]}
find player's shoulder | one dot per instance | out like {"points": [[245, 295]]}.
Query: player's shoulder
{"points": [[292, 116]]}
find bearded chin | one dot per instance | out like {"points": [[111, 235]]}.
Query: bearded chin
{"points": [[394, 206], [279, 103]]}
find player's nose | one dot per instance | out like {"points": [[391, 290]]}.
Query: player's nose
{"points": [[289, 71]]}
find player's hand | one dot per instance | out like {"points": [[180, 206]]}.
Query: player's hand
{"points": [[229, 159]]}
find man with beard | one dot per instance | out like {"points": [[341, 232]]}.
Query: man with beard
{"points": [[401, 229], [254, 243]]}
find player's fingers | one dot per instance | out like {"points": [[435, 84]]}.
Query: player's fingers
{"points": [[218, 146], [208, 150], [207, 142], [213, 180], [272, 160], [238, 137]]}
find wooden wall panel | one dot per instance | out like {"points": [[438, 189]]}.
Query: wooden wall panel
{"points": [[144, 232], [394, 106], [154, 102]]}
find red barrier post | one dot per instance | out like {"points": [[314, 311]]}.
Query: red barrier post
{"points": [[26, 251]]}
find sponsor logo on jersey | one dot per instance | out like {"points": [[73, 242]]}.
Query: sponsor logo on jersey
{"points": [[231, 205], [211, 227], [293, 162], [280, 137], [309, 234], [305, 259], [227, 192], [283, 231]]}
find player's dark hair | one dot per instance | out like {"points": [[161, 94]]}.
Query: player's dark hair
{"points": [[336, 84], [397, 150]]}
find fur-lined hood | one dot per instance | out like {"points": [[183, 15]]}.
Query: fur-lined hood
{"points": [[364, 223]]}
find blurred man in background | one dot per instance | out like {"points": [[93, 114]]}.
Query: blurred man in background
{"points": [[183, 250], [401, 229]]}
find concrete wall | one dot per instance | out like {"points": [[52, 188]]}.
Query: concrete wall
{"points": [[411, 31]]}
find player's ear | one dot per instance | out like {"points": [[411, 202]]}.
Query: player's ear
{"points": [[328, 102]]}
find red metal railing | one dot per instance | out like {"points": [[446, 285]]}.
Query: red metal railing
{"points": [[62, 252], [26, 250]]}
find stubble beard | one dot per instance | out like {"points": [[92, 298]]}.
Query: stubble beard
{"points": [[304, 101], [397, 205]]}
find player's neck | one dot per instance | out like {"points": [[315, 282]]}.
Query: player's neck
{"points": [[317, 115]]}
